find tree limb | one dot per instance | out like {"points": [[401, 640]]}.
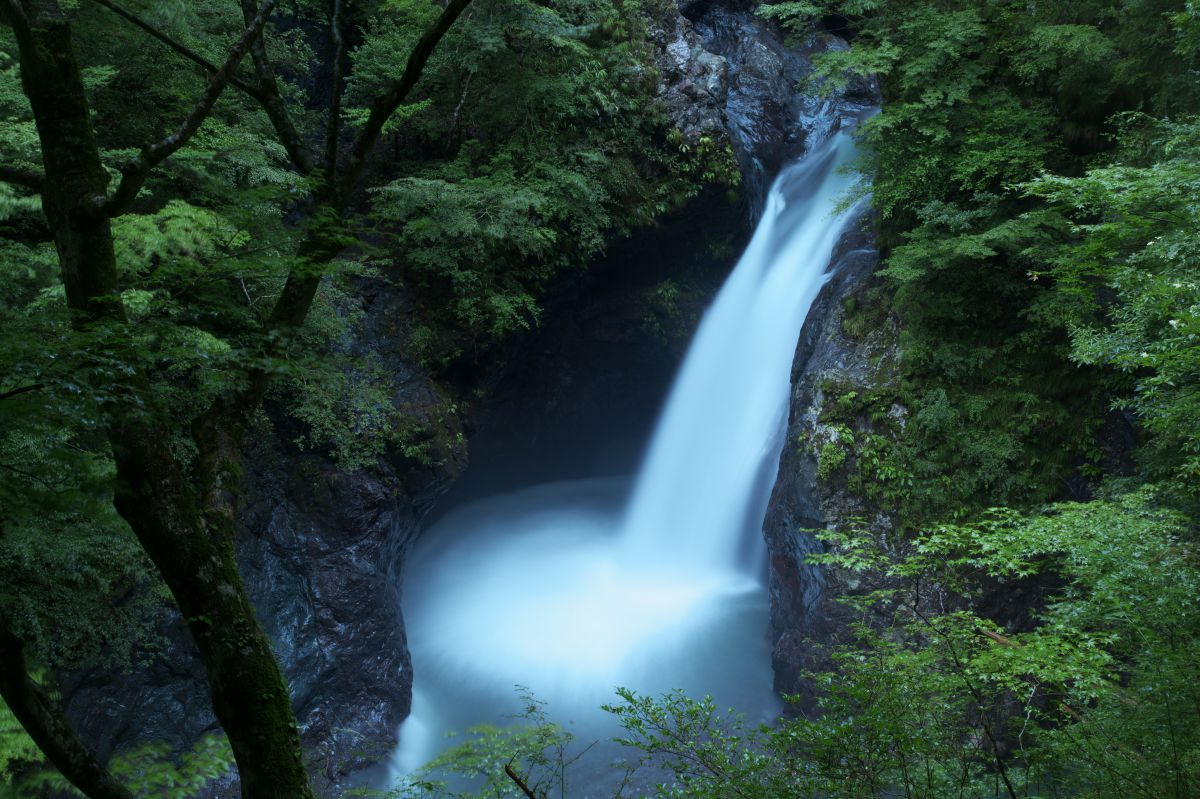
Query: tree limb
{"points": [[16, 392], [27, 178], [272, 100], [515, 777], [181, 49], [135, 172], [45, 722], [386, 105], [322, 242], [333, 129]]}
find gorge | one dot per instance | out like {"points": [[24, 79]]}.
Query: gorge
{"points": [[362, 360], [323, 548], [559, 590]]}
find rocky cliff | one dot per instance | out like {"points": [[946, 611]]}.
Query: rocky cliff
{"points": [[834, 358]]}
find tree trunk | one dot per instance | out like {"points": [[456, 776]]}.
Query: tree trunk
{"points": [[43, 719], [249, 695]]}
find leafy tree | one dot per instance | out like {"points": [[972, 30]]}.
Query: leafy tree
{"points": [[980, 100], [1133, 222]]}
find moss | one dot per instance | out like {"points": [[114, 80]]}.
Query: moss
{"points": [[830, 458], [833, 453]]}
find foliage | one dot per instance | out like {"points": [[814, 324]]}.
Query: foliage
{"points": [[1105, 677], [706, 753], [991, 110], [532, 139], [1098, 699], [532, 174], [154, 772], [17, 749], [1134, 221], [535, 748]]}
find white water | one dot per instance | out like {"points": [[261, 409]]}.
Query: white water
{"points": [[571, 591]]}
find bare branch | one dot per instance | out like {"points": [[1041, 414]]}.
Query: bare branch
{"points": [[16, 392], [27, 178], [272, 100], [181, 49], [334, 127], [386, 105], [134, 173], [515, 777], [47, 725]]}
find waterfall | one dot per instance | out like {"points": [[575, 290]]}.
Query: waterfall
{"points": [[569, 590], [712, 461]]}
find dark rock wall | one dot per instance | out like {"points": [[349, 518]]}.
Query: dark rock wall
{"points": [[804, 615]]}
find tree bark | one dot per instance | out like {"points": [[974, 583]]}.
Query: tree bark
{"points": [[45, 723], [249, 695]]}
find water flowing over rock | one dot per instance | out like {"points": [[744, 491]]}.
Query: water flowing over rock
{"points": [[711, 463], [550, 589]]}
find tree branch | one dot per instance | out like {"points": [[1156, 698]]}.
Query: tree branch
{"points": [[181, 49], [323, 240], [333, 129], [16, 392], [515, 777], [386, 105], [47, 725], [272, 100], [979, 703], [134, 173], [27, 178]]}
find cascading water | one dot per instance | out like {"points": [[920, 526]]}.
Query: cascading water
{"points": [[561, 590], [712, 461]]}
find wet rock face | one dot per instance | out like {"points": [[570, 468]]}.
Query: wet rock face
{"points": [[578, 397], [729, 75], [315, 558], [693, 82], [803, 613], [770, 119]]}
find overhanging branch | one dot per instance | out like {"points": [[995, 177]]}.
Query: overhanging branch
{"points": [[135, 172], [386, 105], [47, 725], [180, 48], [28, 178], [321, 244], [16, 392]]}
